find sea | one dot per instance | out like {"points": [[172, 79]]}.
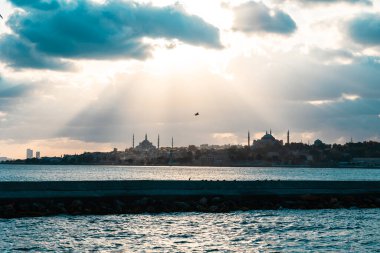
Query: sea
{"points": [[326, 230]]}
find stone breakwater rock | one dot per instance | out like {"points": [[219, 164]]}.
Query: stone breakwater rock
{"points": [[117, 205], [203, 201]]}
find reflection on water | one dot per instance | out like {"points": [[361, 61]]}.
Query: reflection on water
{"points": [[339, 230], [100, 172]]}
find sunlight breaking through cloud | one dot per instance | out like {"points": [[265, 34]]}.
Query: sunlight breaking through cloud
{"points": [[344, 97], [95, 72]]}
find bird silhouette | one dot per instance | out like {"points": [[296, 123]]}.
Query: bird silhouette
{"points": [[1, 16], [196, 114]]}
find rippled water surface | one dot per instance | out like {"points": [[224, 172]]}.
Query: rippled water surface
{"points": [[100, 172], [342, 230]]}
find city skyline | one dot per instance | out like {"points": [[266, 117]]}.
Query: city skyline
{"points": [[169, 141], [83, 76], [250, 143]]}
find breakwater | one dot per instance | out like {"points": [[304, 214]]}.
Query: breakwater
{"points": [[19, 199]]}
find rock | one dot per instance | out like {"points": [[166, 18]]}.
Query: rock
{"points": [[142, 202], [290, 203], [309, 197], [349, 198], [119, 205], [214, 208], [23, 207], [200, 208], [76, 205], [203, 201], [216, 200], [230, 204], [182, 206], [9, 209], [38, 207], [151, 209], [60, 207], [101, 207]]}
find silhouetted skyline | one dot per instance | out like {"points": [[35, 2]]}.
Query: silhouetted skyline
{"points": [[84, 75]]}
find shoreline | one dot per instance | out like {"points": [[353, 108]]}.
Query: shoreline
{"points": [[189, 165]]}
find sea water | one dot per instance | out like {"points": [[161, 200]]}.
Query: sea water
{"points": [[339, 230], [104, 172], [330, 230]]}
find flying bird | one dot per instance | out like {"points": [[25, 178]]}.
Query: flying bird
{"points": [[196, 114], [1, 16]]}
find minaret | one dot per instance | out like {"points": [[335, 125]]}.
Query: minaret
{"points": [[288, 137], [270, 131], [146, 137], [158, 142], [133, 141], [172, 142], [249, 140]]}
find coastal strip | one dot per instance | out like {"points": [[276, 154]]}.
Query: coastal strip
{"points": [[18, 199]]}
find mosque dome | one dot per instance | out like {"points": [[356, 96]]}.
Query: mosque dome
{"points": [[266, 141], [268, 137], [145, 145], [318, 142]]}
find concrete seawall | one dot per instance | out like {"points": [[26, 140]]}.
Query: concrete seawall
{"points": [[65, 189], [101, 197]]}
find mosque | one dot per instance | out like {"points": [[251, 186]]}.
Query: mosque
{"points": [[145, 145], [267, 141]]}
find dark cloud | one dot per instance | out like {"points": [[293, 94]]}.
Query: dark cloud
{"points": [[13, 91], [12, 94], [9, 90], [85, 29], [37, 4], [20, 54], [365, 29], [254, 17]]}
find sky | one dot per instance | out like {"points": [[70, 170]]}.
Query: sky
{"points": [[86, 75]]}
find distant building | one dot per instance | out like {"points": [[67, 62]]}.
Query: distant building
{"points": [[288, 138], [3, 158], [29, 153], [266, 141], [145, 145], [318, 143], [38, 154], [203, 146]]}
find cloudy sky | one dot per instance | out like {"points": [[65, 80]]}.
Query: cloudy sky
{"points": [[85, 75]]}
